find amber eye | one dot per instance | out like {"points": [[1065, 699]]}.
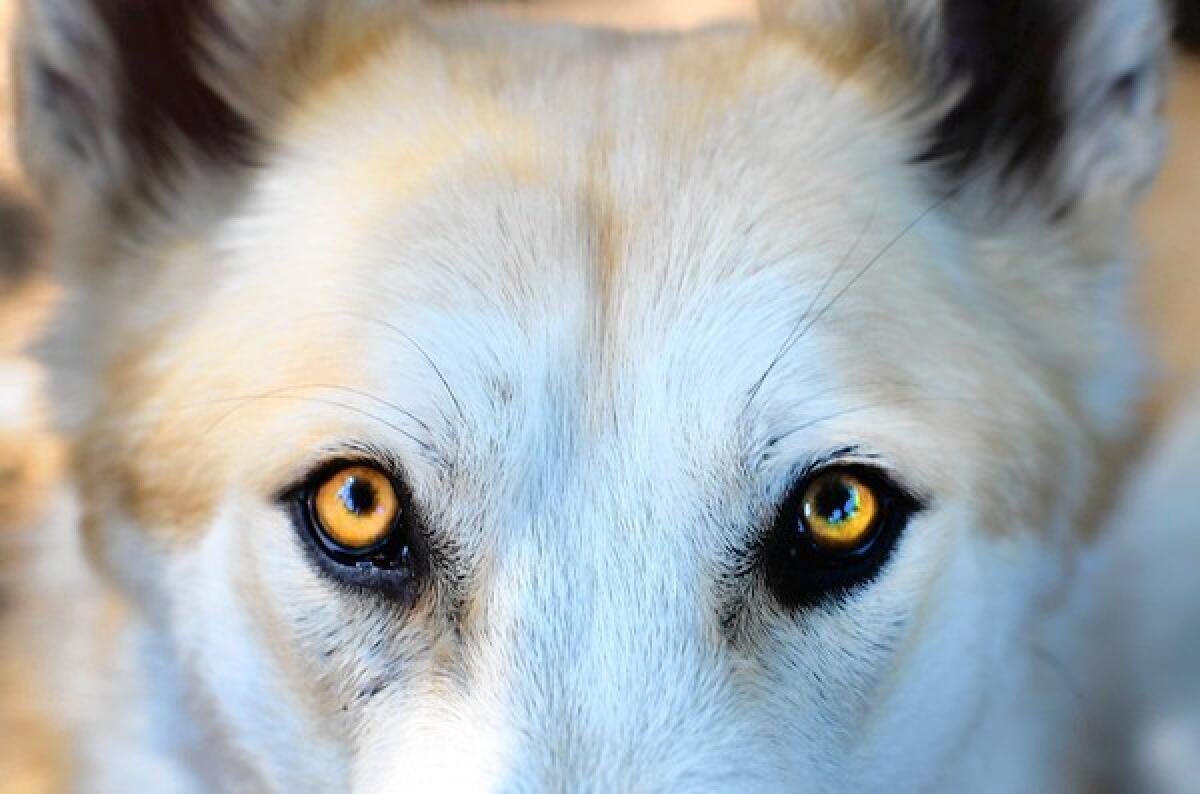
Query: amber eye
{"points": [[833, 533], [356, 508], [840, 511]]}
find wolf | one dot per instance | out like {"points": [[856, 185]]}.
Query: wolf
{"points": [[462, 403]]}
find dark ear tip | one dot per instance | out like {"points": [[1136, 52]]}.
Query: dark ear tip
{"points": [[160, 51], [127, 90], [1004, 57], [1187, 24]]}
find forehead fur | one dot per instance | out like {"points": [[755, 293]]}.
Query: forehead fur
{"points": [[537, 249]]}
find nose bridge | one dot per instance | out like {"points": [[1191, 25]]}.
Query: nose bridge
{"points": [[611, 655], [611, 572]]}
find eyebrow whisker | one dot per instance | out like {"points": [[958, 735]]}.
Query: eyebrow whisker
{"points": [[429, 360], [794, 335], [283, 394], [873, 261], [862, 408], [806, 324]]}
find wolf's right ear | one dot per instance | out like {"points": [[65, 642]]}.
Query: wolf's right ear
{"points": [[1053, 104], [118, 98]]}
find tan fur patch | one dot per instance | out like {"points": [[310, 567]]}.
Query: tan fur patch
{"points": [[758, 61], [35, 753], [343, 45], [608, 231], [144, 455]]}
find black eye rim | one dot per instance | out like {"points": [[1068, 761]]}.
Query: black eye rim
{"points": [[394, 566], [799, 572]]}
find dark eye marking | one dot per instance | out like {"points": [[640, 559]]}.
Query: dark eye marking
{"points": [[833, 532], [360, 527]]}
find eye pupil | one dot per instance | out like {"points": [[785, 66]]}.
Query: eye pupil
{"points": [[358, 497], [837, 502]]}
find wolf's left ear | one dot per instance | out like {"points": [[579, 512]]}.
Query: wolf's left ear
{"points": [[119, 99], [1056, 101]]}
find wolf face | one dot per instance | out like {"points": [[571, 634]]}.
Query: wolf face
{"points": [[478, 406]]}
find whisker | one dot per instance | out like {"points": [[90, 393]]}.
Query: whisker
{"points": [[332, 403], [458, 406], [364, 394], [874, 260], [283, 393], [795, 333], [805, 324], [863, 408], [441, 376]]}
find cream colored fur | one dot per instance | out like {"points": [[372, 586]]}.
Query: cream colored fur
{"points": [[543, 267]]}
